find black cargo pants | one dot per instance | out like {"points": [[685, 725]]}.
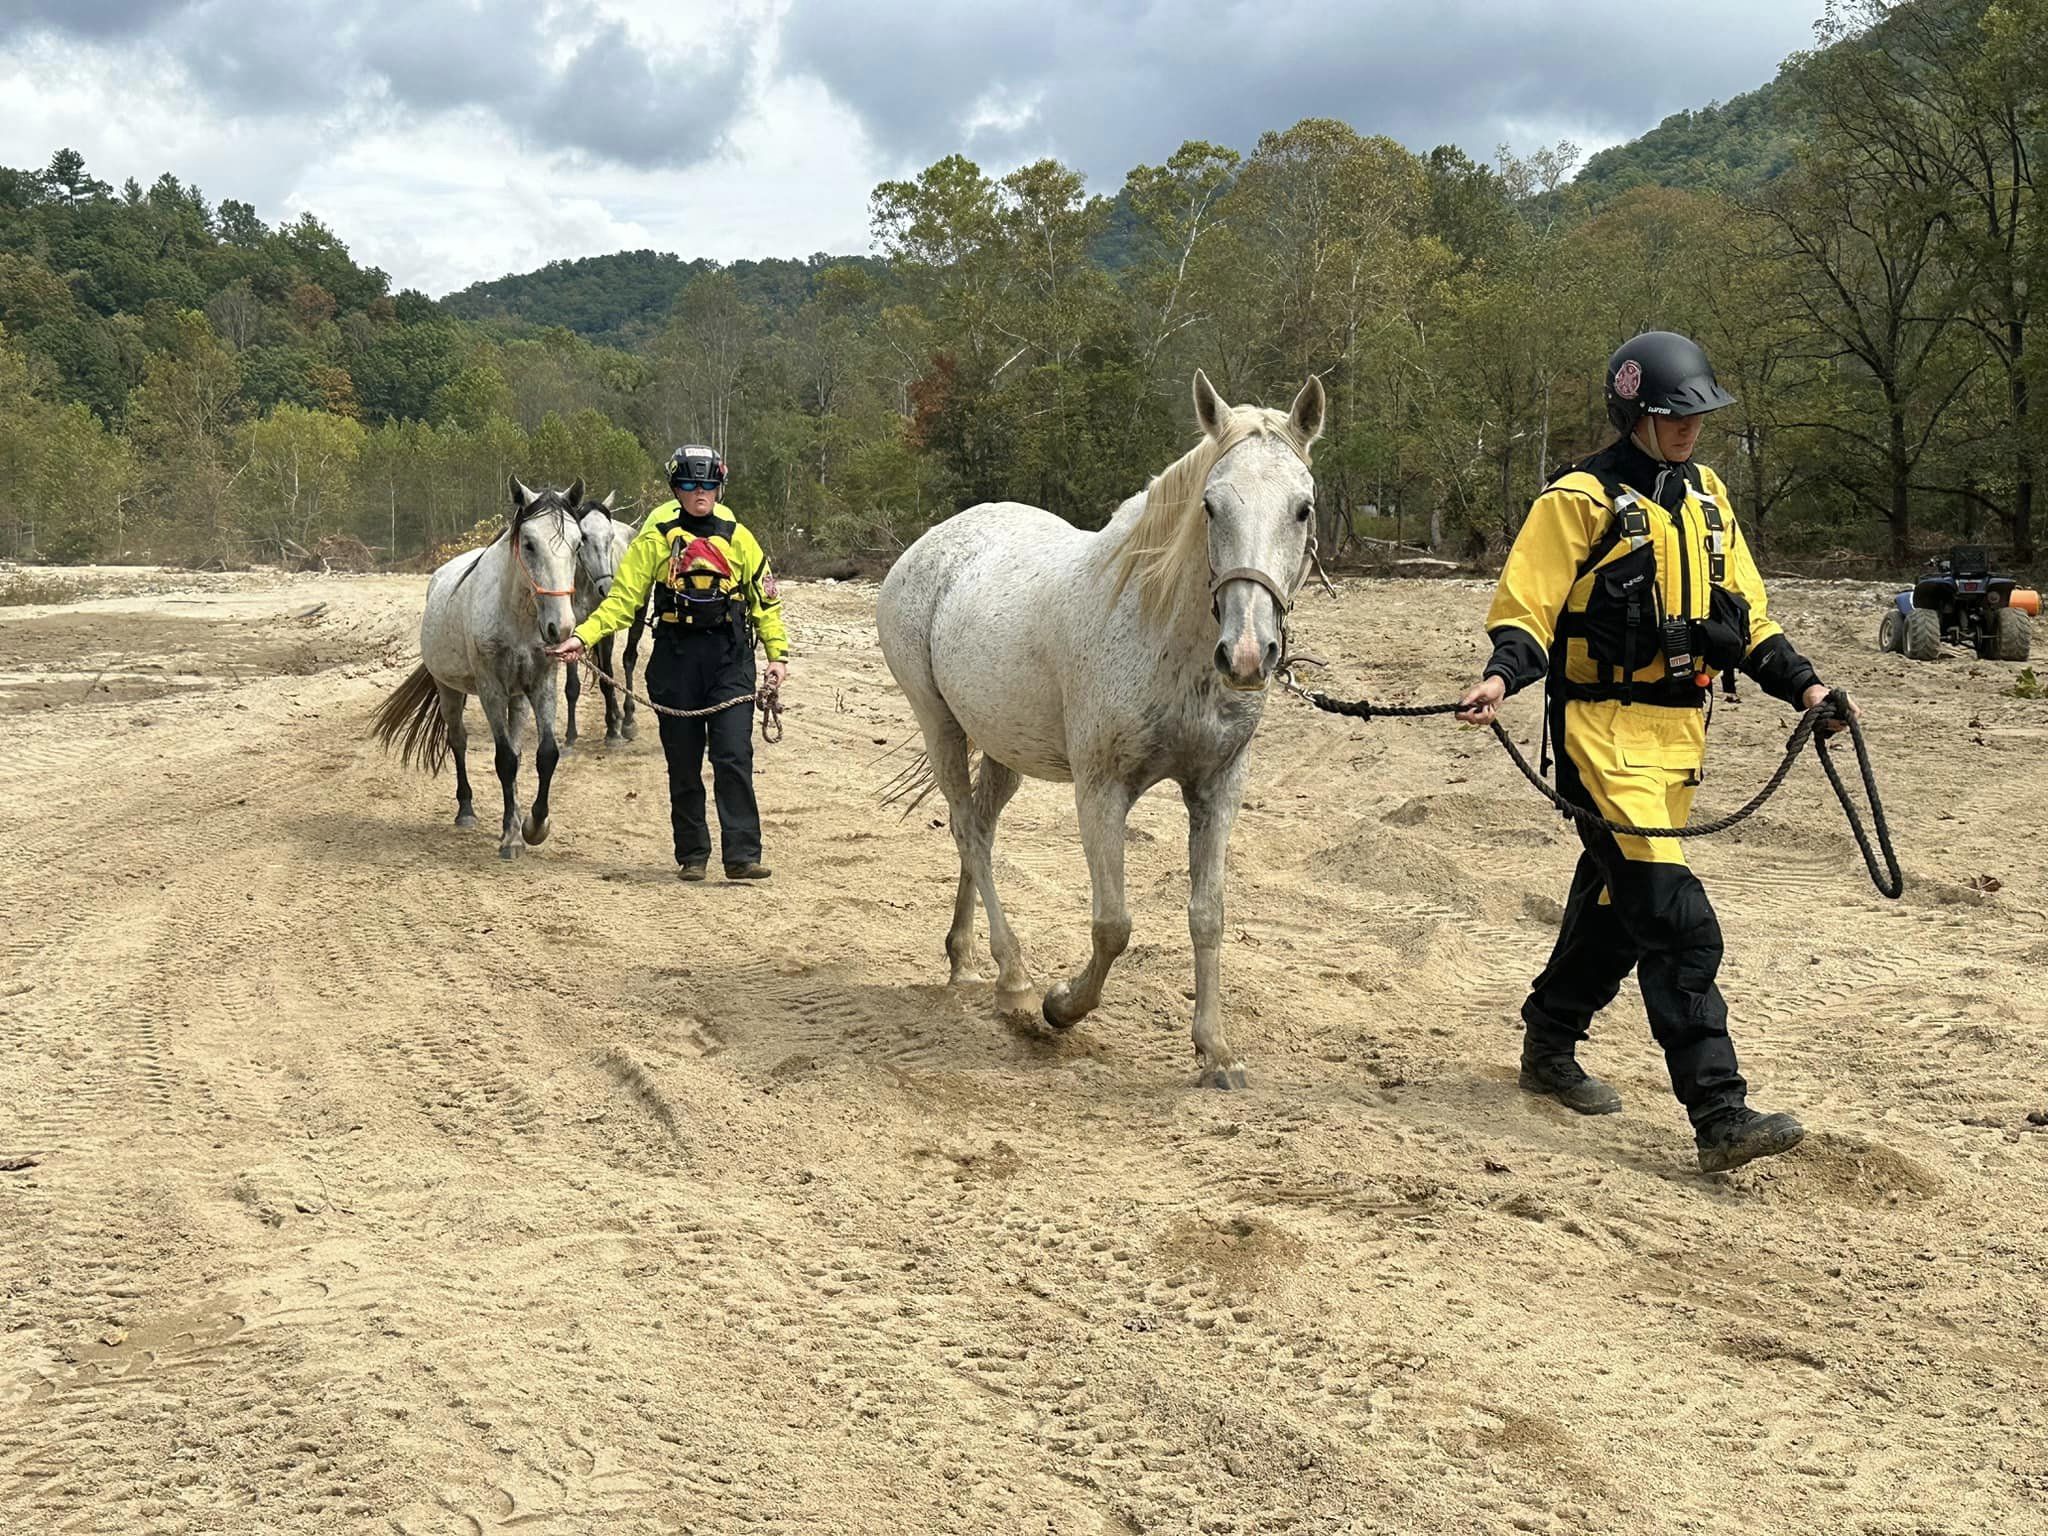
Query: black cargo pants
{"points": [[1658, 923], [694, 669]]}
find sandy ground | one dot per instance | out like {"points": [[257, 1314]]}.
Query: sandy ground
{"points": [[353, 1181]]}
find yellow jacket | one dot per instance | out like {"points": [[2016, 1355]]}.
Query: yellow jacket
{"points": [[1603, 582], [647, 561], [1561, 588]]}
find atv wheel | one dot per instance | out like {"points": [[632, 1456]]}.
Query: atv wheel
{"points": [[1923, 634], [1891, 633], [2015, 635]]}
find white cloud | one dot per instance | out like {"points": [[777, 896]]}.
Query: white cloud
{"points": [[1001, 113], [453, 140]]}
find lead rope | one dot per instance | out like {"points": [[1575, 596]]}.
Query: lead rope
{"points": [[1890, 882], [767, 698]]}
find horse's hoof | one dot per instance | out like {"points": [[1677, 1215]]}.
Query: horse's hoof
{"points": [[1056, 1010], [630, 732], [508, 851], [1226, 1078], [465, 818], [535, 832], [1017, 1002]]}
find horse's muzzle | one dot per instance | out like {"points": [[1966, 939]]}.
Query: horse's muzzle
{"points": [[1245, 666], [1248, 648]]}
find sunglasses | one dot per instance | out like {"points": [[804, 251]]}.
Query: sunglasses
{"points": [[693, 485]]}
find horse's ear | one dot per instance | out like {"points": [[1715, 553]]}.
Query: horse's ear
{"points": [[1306, 414], [522, 498], [610, 496], [574, 495], [1210, 409]]}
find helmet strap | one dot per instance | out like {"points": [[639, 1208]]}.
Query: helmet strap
{"points": [[1644, 435]]}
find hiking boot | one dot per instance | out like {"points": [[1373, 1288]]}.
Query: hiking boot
{"points": [[1743, 1136], [1560, 1077], [753, 871], [692, 871]]}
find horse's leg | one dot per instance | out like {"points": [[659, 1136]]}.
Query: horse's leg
{"points": [[960, 937], [994, 784], [974, 836], [1212, 811], [626, 726], [604, 686], [542, 700], [1103, 809], [453, 701], [499, 711], [573, 687]]}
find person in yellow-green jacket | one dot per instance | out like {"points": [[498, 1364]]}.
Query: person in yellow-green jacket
{"points": [[714, 597], [1630, 589]]}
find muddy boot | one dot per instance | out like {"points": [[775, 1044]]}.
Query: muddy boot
{"points": [[754, 871], [1742, 1136], [692, 872], [1558, 1075]]}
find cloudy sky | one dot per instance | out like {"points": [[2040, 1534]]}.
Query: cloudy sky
{"points": [[452, 140]]}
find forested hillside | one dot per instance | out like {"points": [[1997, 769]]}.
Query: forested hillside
{"points": [[624, 299], [1856, 244], [1734, 146]]}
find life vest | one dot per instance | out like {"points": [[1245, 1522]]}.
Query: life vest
{"points": [[1640, 626], [700, 587]]}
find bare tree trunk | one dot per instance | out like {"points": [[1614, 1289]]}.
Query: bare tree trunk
{"points": [[1753, 440], [1901, 471], [1507, 488], [2023, 487]]}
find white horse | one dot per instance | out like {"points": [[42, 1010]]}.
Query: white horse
{"points": [[489, 614], [1116, 660], [605, 538]]}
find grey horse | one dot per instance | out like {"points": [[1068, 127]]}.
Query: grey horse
{"points": [[489, 614], [1116, 660], [605, 538]]}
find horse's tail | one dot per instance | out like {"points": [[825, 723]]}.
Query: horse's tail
{"points": [[411, 717], [917, 782]]}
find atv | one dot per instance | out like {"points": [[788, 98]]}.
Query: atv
{"points": [[1959, 601]]}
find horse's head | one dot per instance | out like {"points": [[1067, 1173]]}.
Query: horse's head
{"points": [[546, 542], [1259, 504], [597, 560]]}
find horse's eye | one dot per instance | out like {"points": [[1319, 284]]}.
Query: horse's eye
{"points": [[1307, 511], [1208, 508]]}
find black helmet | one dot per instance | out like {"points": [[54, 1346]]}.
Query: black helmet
{"points": [[1660, 373], [693, 461]]}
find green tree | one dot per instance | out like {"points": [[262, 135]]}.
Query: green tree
{"points": [[67, 179], [404, 367], [472, 397], [1950, 99], [181, 419], [1878, 316], [295, 481], [63, 475]]}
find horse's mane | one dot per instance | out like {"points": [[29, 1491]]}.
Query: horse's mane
{"points": [[543, 501], [1169, 540]]}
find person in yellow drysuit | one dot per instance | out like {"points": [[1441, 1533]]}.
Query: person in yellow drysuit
{"points": [[1630, 588], [714, 595]]}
